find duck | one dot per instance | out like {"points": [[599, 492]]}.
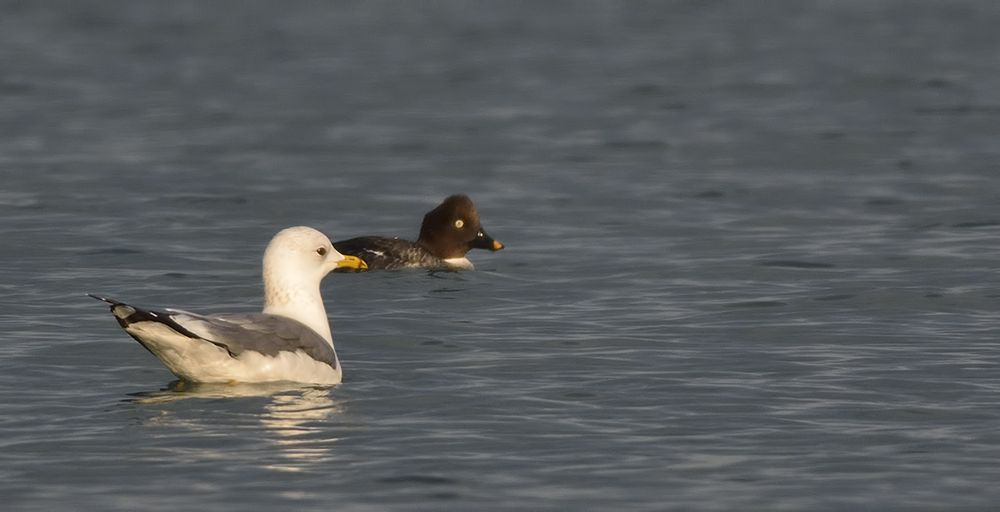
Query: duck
{"points": [[447, 233], [290, 340]]}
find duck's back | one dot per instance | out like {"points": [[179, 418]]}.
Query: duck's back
{"points": [[382, 253]]}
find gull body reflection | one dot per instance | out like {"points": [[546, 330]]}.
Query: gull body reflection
{"points": [[296, 418]]}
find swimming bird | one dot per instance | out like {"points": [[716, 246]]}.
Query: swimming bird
{"points": [[448, 232], [289, 341]]}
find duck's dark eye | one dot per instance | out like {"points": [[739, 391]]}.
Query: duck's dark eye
{"points": [[321, 251]]}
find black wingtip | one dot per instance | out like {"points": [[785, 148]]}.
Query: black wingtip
{"points": [[102, 299], [128, 315]]}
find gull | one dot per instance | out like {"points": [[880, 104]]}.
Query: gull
{"points": [[289, 340]]}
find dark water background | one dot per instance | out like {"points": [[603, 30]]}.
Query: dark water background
{"points": [[751, 265]]}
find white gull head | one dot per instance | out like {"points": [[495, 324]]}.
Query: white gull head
{"points": [[295, 262]]}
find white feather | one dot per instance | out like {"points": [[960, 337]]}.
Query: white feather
{"points": [[462, 263], [295, 262]]}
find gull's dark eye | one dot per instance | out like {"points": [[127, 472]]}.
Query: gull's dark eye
{"points": [[321, 251]]}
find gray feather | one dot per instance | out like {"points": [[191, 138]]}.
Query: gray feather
{"points": [[263, 333]]}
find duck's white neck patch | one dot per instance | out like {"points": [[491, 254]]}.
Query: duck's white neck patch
{"points": [[462, 263]]}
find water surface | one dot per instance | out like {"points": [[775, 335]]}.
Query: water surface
{"points": [[751, 253]]}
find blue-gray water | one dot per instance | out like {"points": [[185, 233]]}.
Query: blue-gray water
{"points": [[752, 253]]}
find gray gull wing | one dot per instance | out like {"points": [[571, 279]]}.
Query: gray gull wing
{"points": [[236, 333], [263, 333]]}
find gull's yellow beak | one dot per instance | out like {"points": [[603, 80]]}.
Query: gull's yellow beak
{"points": [[352, 262]]}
